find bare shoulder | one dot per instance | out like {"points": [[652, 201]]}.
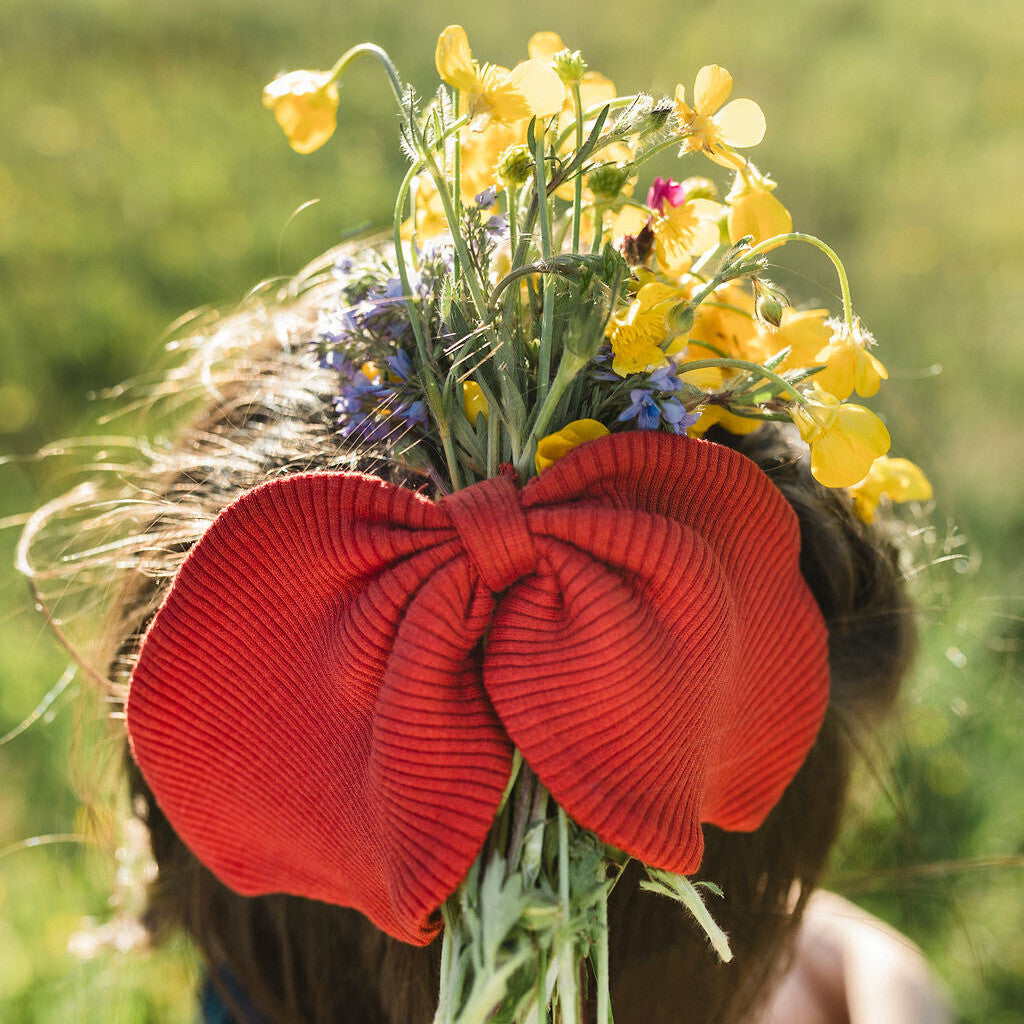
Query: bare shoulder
{"points": [[851, 967]]}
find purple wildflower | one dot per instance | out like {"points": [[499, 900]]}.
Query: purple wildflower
{"points": [[486, 199]]}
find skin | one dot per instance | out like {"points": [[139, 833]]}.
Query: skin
{"points": [[851, 968]]}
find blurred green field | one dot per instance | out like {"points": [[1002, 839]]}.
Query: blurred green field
{"points": [[139, 177]]}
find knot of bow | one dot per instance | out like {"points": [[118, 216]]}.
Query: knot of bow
{"points": [[327, 702]]}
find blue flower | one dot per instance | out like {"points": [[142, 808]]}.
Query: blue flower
{"points": [[649, 411], [644, 410], [486, 199], [664, 379], [400, 364], [676, 415]]}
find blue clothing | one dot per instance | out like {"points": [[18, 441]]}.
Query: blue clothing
{"points": [[212, 1007]]}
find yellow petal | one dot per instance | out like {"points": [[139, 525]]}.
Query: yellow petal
{"points": [[474, 402], [539, 86], [838, 377], [595, 89], [654, 293], [544, 45], [905, 481], [630, 220], [760, 214], [845, 451], [741, 123], [454, 60], [899, 479], [869, 373], [551, 448], [711, 89], [305, 105]]}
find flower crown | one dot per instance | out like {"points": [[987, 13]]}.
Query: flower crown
{"points": [[471, 712]]}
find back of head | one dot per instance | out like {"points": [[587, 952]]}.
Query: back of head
{"points": [[297, 959]]}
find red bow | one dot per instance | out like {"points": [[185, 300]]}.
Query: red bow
{"points": [[327, 701]]}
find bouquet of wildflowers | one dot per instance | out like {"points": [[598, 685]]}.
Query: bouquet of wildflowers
{"points": [[537, 294]]}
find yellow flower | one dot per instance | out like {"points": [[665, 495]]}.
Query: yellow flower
{"points": [[753, 210], [738, 124], [494, 93], [724, 325], [711, 379], [849, 365], [844, 439], [474, 402], [896, 479], [803, 332], [638, 333], [686, 230], [305, 104], [551, 448]]}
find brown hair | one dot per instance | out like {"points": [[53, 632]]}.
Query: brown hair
{"points": [[301, 961]]}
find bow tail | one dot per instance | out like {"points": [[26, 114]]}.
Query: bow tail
{"points": [[439, 759]]}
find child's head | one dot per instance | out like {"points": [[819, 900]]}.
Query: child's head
{"points": [[271, 414]]}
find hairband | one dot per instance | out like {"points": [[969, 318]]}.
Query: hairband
{"points": [[327, 701]]}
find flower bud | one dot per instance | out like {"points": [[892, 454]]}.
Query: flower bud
{"points": [[515, 166], [606, 181], [769, 303], [769, 309], [569, 65]]}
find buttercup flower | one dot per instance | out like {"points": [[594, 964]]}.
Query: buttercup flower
{"points": [[896, 479], [711, 379], [849, 365], [638, 333], [305, 104], [684, 231], [804, 332], [844, 439], [724, 325], [707, 129], [551, 448], [753, 210], [491, 92]]}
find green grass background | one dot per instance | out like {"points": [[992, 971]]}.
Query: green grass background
{"points": [[139, 177]]}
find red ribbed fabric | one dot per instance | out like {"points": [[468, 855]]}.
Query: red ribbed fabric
{"points": [[316, 713]]}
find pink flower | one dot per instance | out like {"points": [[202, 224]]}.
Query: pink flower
{"points": [[665, 189]]}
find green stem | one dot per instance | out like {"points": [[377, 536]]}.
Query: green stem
{"points": [[568, 367], [403, 272], [432, 393], [799, 236], [568, 969], [382, 55], [604, 998], [577, 203], [595, 246], [475, 291], [457, 171], [493, 443], [547, 317], [542, 987], [742, 364], [615, 104], [444, 1001]]}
